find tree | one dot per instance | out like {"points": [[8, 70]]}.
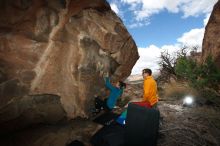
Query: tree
{"points": [[168, 62]]}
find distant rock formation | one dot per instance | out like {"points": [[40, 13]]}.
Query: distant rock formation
{"points": [[61, 48], [211, 41]]}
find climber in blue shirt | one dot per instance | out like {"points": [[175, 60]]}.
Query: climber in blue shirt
{"points": [[115, 92]]}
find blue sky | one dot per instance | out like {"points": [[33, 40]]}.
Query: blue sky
{"points": [[158, 25], [164, 28]]}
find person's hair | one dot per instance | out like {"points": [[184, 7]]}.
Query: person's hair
{"points": [[122, 85], [147, 70]]}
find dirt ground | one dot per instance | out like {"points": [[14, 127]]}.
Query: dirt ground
{"points": [[197, 125], [188, 126]]}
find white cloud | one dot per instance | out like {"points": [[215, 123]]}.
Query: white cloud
{"points": [[197, 7], [138, 24], [205, 21], [114, 7], [135, 25], [131, 1], [149, 8], [149, 58], [143, 9], [192, 38], [172, 6]]}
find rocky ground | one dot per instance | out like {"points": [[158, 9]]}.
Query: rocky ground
{"points": [[188, 126], [198, 125]]}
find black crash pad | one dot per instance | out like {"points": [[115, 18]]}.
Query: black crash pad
{"points": [[106, 118], [112, 135], [142, 125]]}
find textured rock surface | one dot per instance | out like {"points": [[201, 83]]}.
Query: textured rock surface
{"points": [[211, 41], [53, 135], [62, 48], [20, 113]]}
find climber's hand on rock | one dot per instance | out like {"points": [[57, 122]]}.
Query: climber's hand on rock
{"points": [[106, 74]]}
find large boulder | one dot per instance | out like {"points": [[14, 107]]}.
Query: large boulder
{"points": [[62, 47], [53, 135], [21, 113], [211, 41]]}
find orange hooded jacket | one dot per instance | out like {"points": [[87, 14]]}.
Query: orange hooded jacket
{"points": [[150, 90]]}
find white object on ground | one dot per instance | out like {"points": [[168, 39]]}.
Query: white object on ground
{"points": [[188, 100]]}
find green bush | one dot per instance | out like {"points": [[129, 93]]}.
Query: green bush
{"points": [[206, 75], [185, 68], [210, 74]]}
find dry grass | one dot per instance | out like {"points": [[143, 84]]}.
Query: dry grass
{"points": [[176, 90]]}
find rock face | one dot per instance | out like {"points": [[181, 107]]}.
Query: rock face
{"points": [[62, 48], [211, 41], [20, 113], [53, 135]]}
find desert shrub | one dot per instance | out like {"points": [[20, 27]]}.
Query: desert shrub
{"points": [[206, 75], [186, 68], [209, 74], [203, 77], [177, 90]]}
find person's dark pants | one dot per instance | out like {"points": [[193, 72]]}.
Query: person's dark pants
{"points": [[101, 104]]}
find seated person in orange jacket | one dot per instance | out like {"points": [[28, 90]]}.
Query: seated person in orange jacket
{"points": [[150, 88], [150, 97]]}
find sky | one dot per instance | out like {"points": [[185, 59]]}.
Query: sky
{"points": [[158, 25]]}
